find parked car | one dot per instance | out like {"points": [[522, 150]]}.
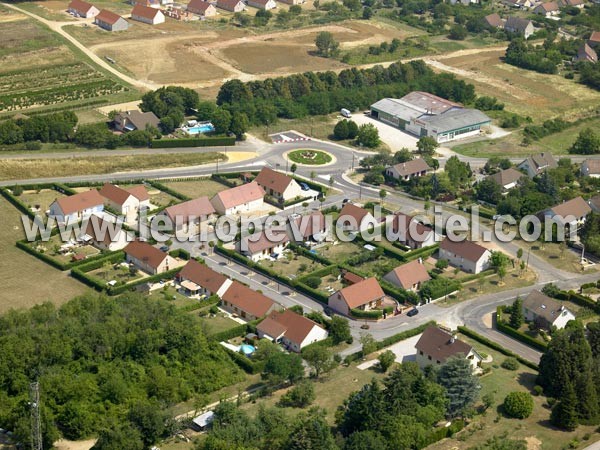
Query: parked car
{"points": [[164, 248], [346, 200], [413, 312], [304, 187]]}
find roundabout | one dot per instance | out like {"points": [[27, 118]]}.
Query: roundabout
{"points": [[310, 157]]}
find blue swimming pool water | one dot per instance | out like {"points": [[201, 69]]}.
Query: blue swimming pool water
{"points": [[247, 349], [202, 128]]}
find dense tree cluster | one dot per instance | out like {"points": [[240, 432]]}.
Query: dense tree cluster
{"points": [[587, 143], [170, 104], [57, 127]]}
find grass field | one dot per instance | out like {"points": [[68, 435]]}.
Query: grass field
{"points": [[27, 281], [293, 267], [196, 188], [309, 157], [40, 199]]}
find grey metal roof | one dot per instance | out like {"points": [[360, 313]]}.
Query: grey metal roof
{"points": [[398, 108], [456, 119]]}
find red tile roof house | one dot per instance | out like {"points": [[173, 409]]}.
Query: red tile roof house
{"points": [[245, 198], [145, 14], [111, 21], [591, 168], [571, 213], [197, 279], [147, 258], [260, 246], [83, 9], [594, 40], [309, 228], [493, 21], [188, 216], [435, 346], [202, 8], [408, 231], [293, 2], [76, 207], [409, 169], [231, 5], [466, 255], [409, 276], [290, 329], [242, 301], [548, 9], [573, 3], [365, 295], [279, 185], [263, 4], [586, 53], [105, 234], [126, 202], [355, 218]]}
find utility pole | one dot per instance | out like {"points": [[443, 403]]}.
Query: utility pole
{"points": [[352, 168], [36, 431], [527, 264]]}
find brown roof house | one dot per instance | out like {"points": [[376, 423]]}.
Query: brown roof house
{"points": [[292, 330], [263, 4], [409, 276], [111, 21], [199, 280], [520, 26], [466, 255], [147, 14], [507, 179], [364, 295], [248, 304], [573, 3], [260, 245], [82, 9], [548, 9], [188, 216], [594, 203], [147, 258], [591, 168], [594, 40], [292, 2], [202, 8], [493, 21], [435, 346], [231, 5], [585, 53], [537, 164], [309, 228], [76, 207], [571, 213], [245, 198], [126, 202], [409, 169], [546, 312], [279, 185], [355, 218], [135, 120], [410, 232], [104, 233]]}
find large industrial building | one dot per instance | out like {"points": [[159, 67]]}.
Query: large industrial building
{"points": [[424, 114]]}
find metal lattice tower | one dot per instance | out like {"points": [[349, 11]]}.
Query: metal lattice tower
{"points": [[36, 430]]}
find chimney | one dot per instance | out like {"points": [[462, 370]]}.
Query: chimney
{"points": [[420, 260], [453, 338]]}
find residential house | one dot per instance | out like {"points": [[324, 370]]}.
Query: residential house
{"points": [[197, 279], [537, 164], [248, 304], [292, 330], [309, 228], [585, 53], [594, 40], [76, 207], [278, 185], [364, 295], [545, 312], [111, 21], [351, 278], [105, 234], [188, 216], [409, 276], [435, 346], [355, 218], [548, 9], [125, 202], [260, 245], [148, 3], [594, 203], [202, 8], [293, 2], [520, 26], [493, 21], [146, 14], [83, 9], [591, 168], [412, 233], [409, 169], [231, 5], [521, 4], [466, 255], [147, 258], [507, 179], [135, 120], [265, 5], [245, 198], [571, 213], [572, 3]]}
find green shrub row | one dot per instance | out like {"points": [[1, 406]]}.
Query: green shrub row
{"points": [[218, 141], [442, 433], [397, 293], [219, 178], [505, 328], [323, 272], [310, 255], [161, 187], [476, 276], [64, 189], [487, 342], [180, 253], [80, 272], [373, 314], [17, 203], [423, 252], [248, 366], [28, 247]]}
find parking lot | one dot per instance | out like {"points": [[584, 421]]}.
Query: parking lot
{"points": [[396, 139]]}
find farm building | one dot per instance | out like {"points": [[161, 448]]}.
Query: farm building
{"points": [[202, 8], [145, 14], [231, 5], [424, 114], [263, 4], [135, 120], [111, 21], [83, 9]]}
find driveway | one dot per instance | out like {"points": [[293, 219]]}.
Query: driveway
{"points": [[396, 139], [404, 351]]}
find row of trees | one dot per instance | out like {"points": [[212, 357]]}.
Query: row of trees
{"points": [[57, 127]]}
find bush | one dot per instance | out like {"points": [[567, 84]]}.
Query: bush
{"points": [[538, 390], [300, 396], [203, 142], [313, 282], [510, 364], [518, 405]]}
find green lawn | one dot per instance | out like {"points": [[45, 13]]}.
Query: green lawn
{"points": [[196, 188], [339, 252], [309, 157], [218, 323], [293, 266]]}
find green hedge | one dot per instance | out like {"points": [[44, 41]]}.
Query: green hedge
{"points": [[476, 276], [27, 247], [244, 362], [219, 141], [322, 272], [64, 189], [224, 180], [151, 279], [17, 203], [240, 330], [310, 255], [168, 190], [485, 341], [180, 253], [372, 314], [423, 252], [505, 328], [442, 433]]}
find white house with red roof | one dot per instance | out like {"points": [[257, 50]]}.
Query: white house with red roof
{"points": [[364, 295], [278, 185], [111, 21], [263, 4], [292, 330], [76, 207], [82, 9], [240, 199], [146, 14], [197, 279], [126, 202]]}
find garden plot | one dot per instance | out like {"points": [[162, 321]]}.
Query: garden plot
{"points": [[196, 188]]}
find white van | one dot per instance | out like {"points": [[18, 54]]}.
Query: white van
{"points": [[346, 113]]}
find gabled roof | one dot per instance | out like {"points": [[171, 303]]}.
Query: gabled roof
{"points": [[202, 275], [108, 17], [80, 6], [145, 252], [102, 226], [228, 4], [548, 7], [239, 195], [507, 176], [271, 179], [352, 210], [248, 300], [441, 345], [408, 226], [293, 326], [586, 53], [141, 120], [119, 195], [595, 37], [199, 5], [145, 12], [541, 161], [412, 167], [261, 2], [466, 249], [494, 20], [576, 207], [256, 244], [411, 273], [361, 293], [595, 202], [593, 166], [543, 306], [79, 202], [517, 24], [314, 223], [199, 207], [429, 102]]}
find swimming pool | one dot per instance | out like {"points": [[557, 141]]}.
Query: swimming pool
{"points": [[205, 127]]}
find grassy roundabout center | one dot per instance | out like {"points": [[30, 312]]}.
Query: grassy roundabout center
{"points": [[310, 157]]}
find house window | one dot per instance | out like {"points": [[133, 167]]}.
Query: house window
{"points": [[437, 362], [421, 352], [429, 358]]}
